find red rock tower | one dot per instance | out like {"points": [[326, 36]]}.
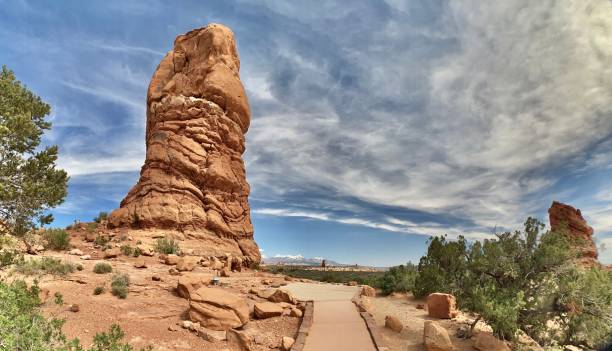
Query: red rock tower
{"points": [[193, 179], [566, 218]]}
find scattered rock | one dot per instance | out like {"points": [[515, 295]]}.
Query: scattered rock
{"points": [[173, 327], [86, 257], [352, 283], [187, 324], [90, 237], [146, 251], [281, 296], [112, 253], [287, 343], [267, 309], [218, 309], [74, 308], [75, 252], [212, 335], [156, 277], [420, 306], [187, 263], [174, 271], [435, 338], [441, 305], [488, 342], [296, 312], [224, 272], [394, 324], [238, 340], [367, 290], [171, 260], [216, 264], [140, 263]]}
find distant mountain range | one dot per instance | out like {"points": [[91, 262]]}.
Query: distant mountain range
{"points": [[299, 260]]}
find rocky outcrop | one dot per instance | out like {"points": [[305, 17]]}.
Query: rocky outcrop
{"points": [[566, 219], [193, 179], [436, 338]]}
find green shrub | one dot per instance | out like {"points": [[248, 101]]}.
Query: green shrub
{"points": [[8, 257], [102, 267], [45, 265], [126, 250], [101, 240], [98, 290], [102, 216], [167, 246], [119, 285], [137, 252], [79, 267], [91, 227], [56, 239], [22, 327], [398, 279]]}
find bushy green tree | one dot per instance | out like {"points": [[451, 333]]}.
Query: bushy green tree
{"points": [[522, 280], [398, 279], [30, 183]]}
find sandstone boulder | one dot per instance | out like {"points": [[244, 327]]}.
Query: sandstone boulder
{"points": [[487, 342], [193, 179], [441, 305], [281, 296], [239, 340], [218, 309], [568, 220], [267, 309], [188, 284], [140, 263], [367, 290], [171, 260], [112, 253], [287, 343], [394, 324], [435, 338], [75, 252], [187, 263]]}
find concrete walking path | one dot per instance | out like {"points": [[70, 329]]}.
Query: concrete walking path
{"points": [[337, 324]]}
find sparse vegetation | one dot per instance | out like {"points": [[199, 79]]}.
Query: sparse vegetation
{"points": [[91, 227], [127, 250], [329, 276], [119, 285], [398, 279], [98, 290], [44, 265], [102, 268], [102, 216], [167, 246], [101, 240], [22, 327], [137, 252], [56, 239]]}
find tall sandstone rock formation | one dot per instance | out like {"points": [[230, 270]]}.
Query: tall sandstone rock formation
{"points": [[193, 179], [566, 218]]}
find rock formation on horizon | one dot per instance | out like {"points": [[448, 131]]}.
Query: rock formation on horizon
{"points": [[566, 218], [193, 179]]}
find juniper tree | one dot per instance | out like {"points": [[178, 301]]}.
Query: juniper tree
{"points": [[30, 183]]}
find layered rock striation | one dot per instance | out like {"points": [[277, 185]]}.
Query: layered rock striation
{"points": [[566, 219], [193, 179]]}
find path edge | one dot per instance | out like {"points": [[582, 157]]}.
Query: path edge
{"points": [[368, 318], [300, 340]]}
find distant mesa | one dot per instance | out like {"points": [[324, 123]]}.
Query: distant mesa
{"points": [[565, 218], [193, 179]]}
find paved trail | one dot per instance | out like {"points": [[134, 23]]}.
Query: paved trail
{"points": [[337, 324]]}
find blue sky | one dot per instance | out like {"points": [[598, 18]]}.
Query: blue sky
{"points": [[375, 123]]}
